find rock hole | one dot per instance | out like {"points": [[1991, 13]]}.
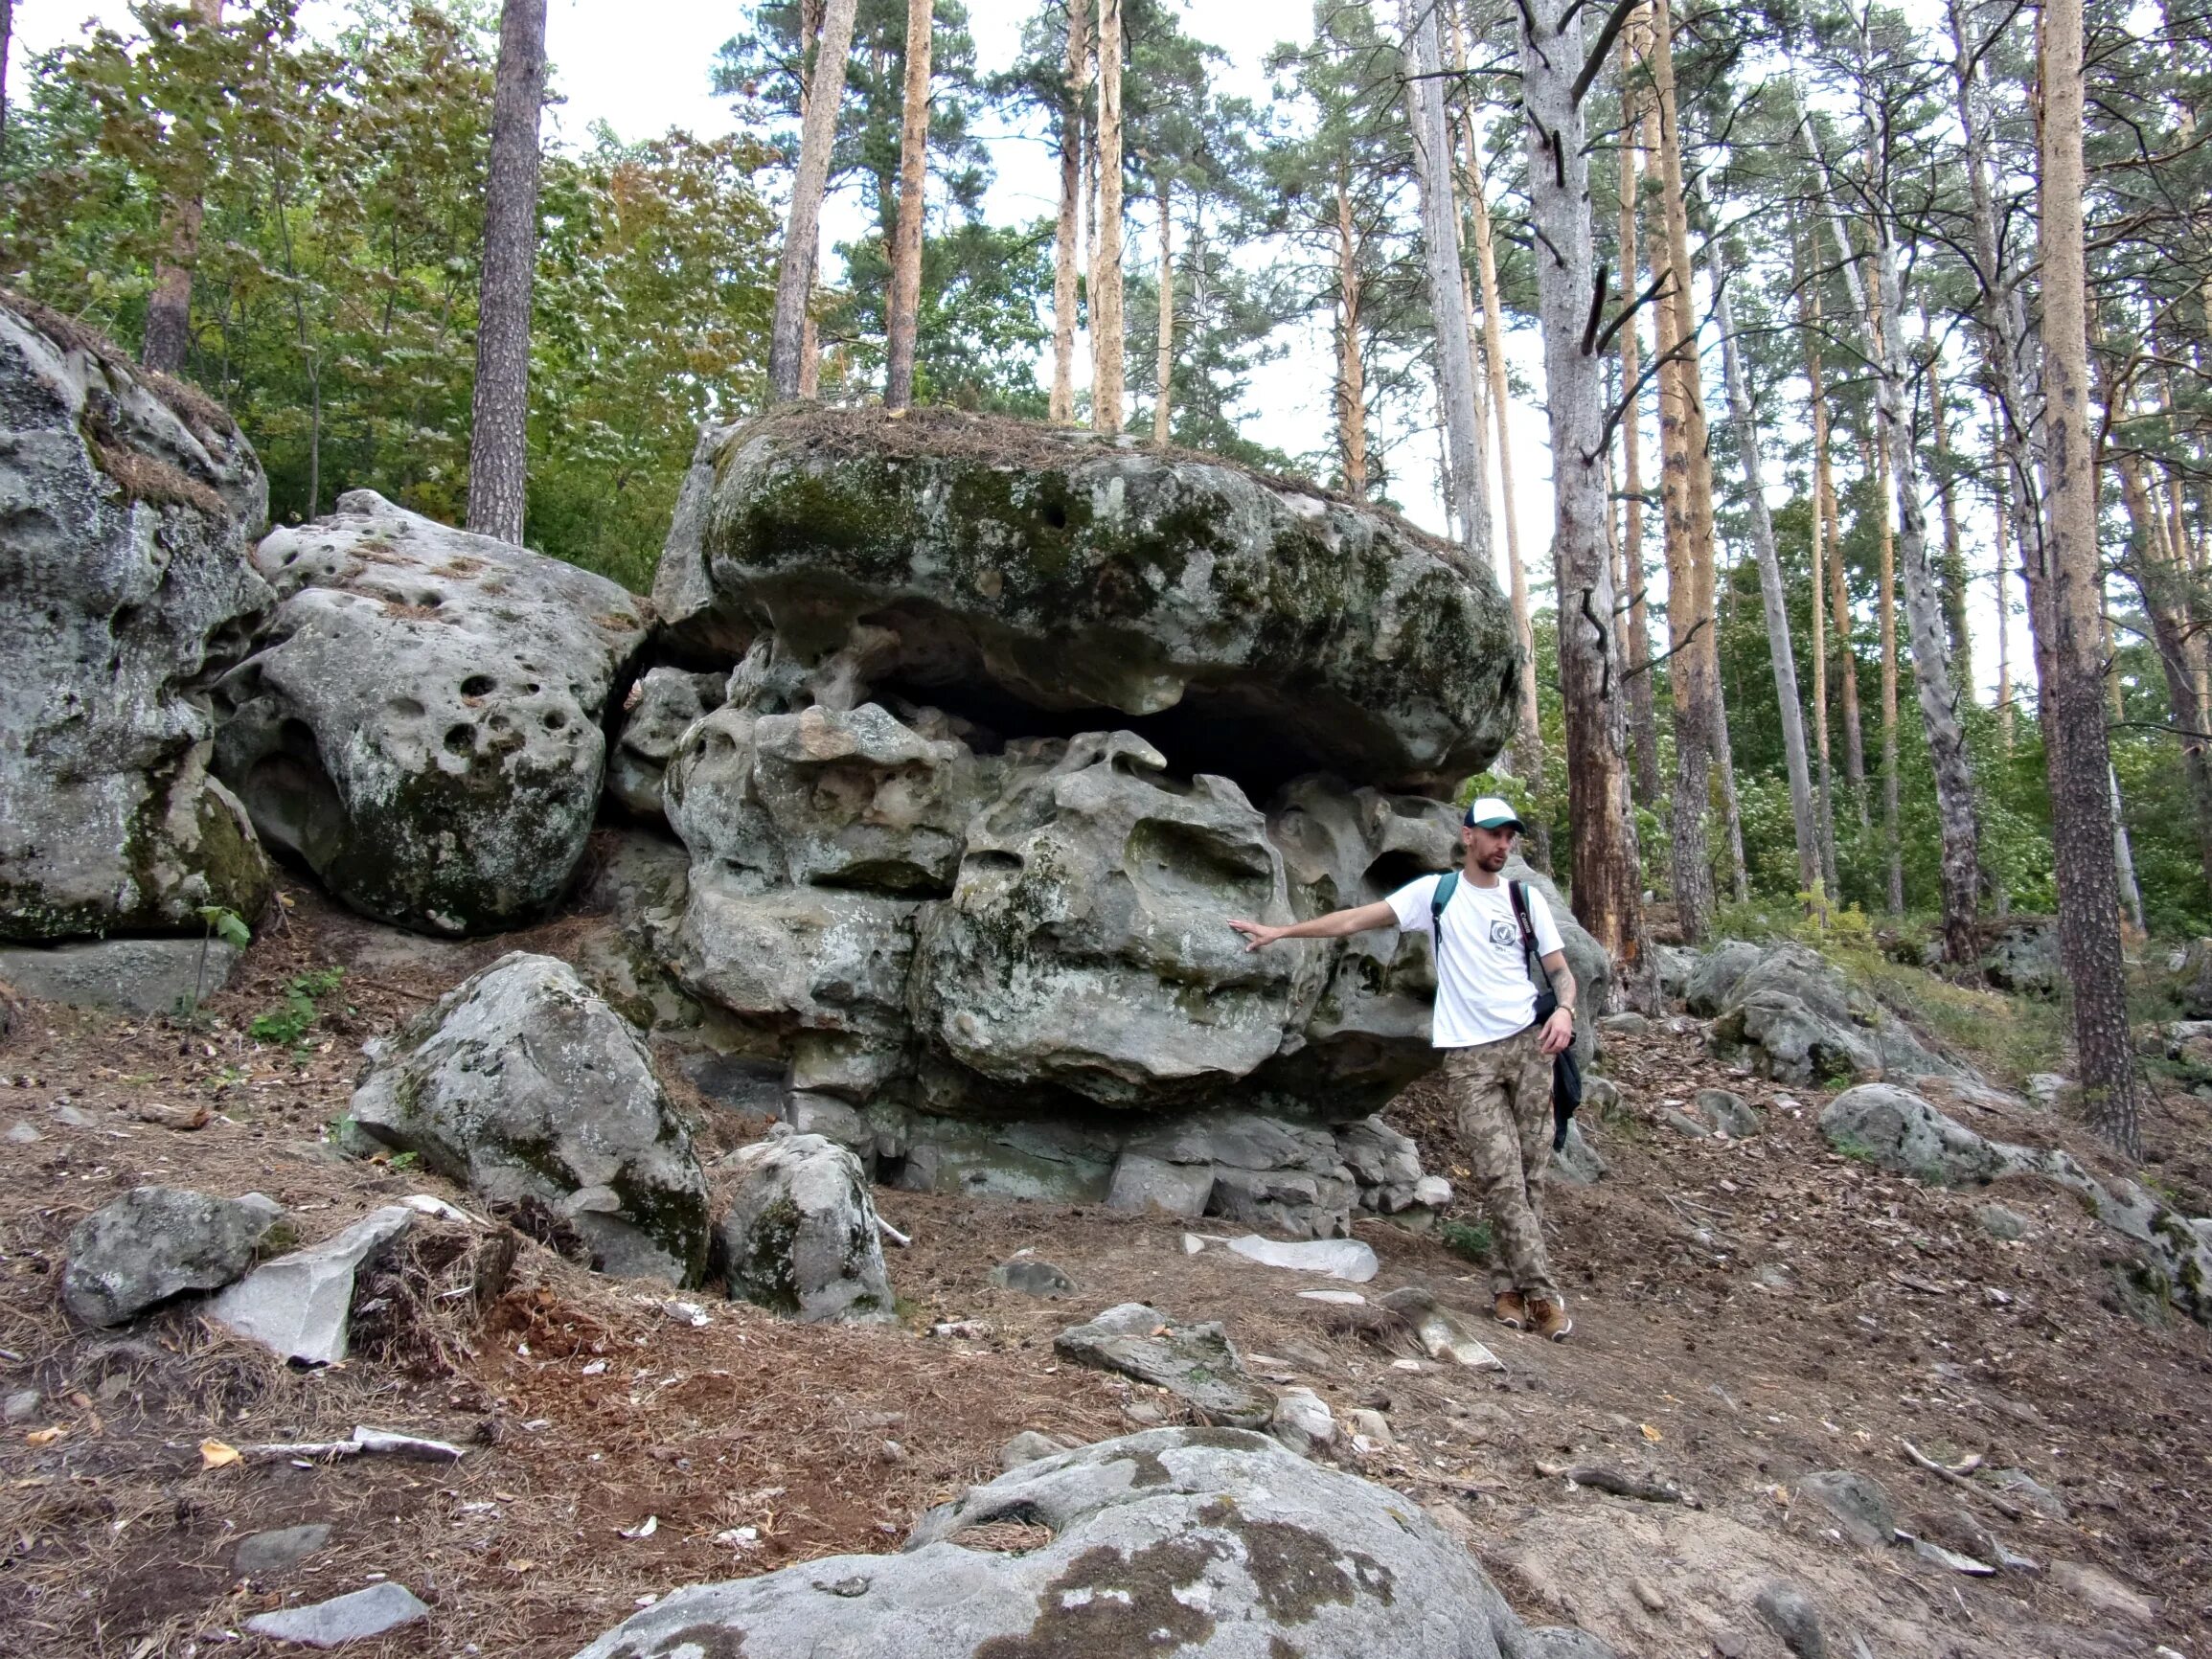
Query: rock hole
{"points": [[1391, 872], [555, 719], [481, 686], [1056, 515], [404, 709], [460, 739], [429, 600]]}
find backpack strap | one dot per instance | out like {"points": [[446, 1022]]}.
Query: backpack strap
{"points": [[1446, 885], [1517, 892]]}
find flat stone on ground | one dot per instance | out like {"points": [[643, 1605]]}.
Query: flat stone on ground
{"points": [[343, 1619], [272, 1552]]}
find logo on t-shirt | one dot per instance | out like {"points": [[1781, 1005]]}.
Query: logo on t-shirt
{"points": [[1503, 932]]}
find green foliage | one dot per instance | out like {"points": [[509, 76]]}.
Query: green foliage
{"points": [[1470, 1241], [287, 1026], [227, 925]]}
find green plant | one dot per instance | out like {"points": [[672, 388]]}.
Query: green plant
{"points": [[401, 1161], [289, 1025], [222, 924], [1470, 1240]]}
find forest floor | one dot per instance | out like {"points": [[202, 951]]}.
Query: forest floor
{"points": [[1746, 1311]]}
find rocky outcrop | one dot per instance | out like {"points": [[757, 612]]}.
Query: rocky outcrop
{"points": [[1039, 567], [125, 587], [521, 1084], [1197, 1363], [2024, 958], [1900, 1131], [420, 722], [800, 1237], [140, 976], [658, 710], [156, 1243], [1793, 1016], [1208, 1543]]}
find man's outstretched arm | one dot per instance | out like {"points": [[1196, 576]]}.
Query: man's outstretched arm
{"points": [[1336, 924]]}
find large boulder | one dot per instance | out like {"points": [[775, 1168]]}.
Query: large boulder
{"points": [[2024, 958], [521, 1082], [1038, 571], [131, 501], [421, 723], [156, 1243], [1793, 1016], [1086, 943], [1211, 1543], [1900, 1131], [800, 1237]]}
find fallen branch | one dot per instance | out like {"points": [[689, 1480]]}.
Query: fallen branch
{"points": [[1599, 1477], [892, 1233], [379, 1440], [1957, 1474]]}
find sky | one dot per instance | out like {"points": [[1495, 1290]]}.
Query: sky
{"points": [[642, 66]]}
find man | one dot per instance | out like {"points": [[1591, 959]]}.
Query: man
{"points": [[1497, 1061]]}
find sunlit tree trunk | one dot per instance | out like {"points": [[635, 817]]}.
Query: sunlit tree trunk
{"points": [[499, 413], [1838, 589], [1164, 359], [795, 272], [1643, 701], [1951, 585], [1997, 527], [1350, 371], [1605, 894], [913, 177], [2081, 767], [1107, 347], [1820, 555], [168, 308], [809, 332], [1064, 271]]}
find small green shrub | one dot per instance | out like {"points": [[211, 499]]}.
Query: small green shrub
{"points": [[1466, 1239], [287, 1026]]}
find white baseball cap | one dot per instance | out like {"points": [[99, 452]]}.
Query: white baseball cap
{"points": [[1490, 812]]}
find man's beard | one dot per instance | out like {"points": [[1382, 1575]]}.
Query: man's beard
{"points": [[1494, 861]]}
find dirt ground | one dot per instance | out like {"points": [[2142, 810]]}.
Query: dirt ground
{"points": [[1747, 1312]]}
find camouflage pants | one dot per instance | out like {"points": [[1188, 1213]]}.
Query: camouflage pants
{"points": [[1502, 1093]]}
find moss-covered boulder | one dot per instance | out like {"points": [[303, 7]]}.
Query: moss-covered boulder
{"points": [[421, 724], [1015, 573], [521, 1082], [800, 1235], [132, 501]]}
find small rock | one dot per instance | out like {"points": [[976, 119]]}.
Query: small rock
{"points": [[1144, 1414], [155, 1242], [1684, 1123], [351, 1618], [21, 1406], [1346, 1259], [300, 1304], [2046, 1089], [1367, 1423], [1623, 1024], [1026, 1447], [1727, 1112], [1858, 1502], [2019, 1484], [274, 1551], [2104, 1592], [1647, 1594], [1575, 1161], [24, 1135], [72, 1117], [1433, 1190], [1999, 1223], [1956, 1531], [1302, 1422], [1972, 1567], [1196, 1362], [1791, 1616], [801, 1237], [1032, 1276]]}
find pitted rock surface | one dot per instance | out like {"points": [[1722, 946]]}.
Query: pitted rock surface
{"points": [[421, 723], [660, 707], [522, 1082], [1073, 573], [1213, 1543], [125, 587], [801, 1237]]}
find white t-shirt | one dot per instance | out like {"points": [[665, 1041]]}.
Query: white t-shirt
{"points": [[1483, 989]]}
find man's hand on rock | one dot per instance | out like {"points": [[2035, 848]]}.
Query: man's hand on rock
{"points": [[1558, 1031], [1258, 933]]}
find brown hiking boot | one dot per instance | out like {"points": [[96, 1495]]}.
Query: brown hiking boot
{"points": [[1511, 1310], [1549, 1319]]}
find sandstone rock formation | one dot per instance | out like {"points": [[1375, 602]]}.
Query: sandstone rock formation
{"points": [[801, 1234], [521, 1082], [155, 1242], [420, 724], [1793, 1016], [123, 587], [1214, 1543]]}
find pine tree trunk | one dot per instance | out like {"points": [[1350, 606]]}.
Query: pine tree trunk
{"points": [[1350, 372], [1938, 693], [1951, 586], [1605, 886], [2005, 619], [1874, 459], [1063, 270], [1106, 366], [2081, 767], [1643, 701], [810, 334], [1838, 589], [6, 38], [1774, 601], [913, 178], [1687, 491], [1821, 557], [1164, 361], [168, 308], [1440, 257], [795, 272], [499, 416]]}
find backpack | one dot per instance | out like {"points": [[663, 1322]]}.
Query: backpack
{"points": [[1566, 1074]]}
